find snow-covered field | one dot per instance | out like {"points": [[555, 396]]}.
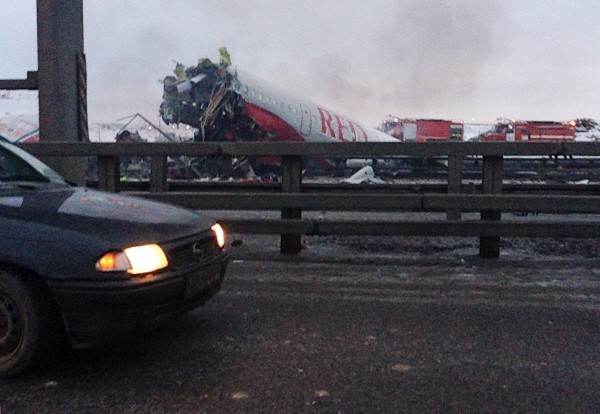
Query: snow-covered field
{"points": [[19, 119]]}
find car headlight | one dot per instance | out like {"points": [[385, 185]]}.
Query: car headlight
{"points": [[134, 260], [219, 234]]}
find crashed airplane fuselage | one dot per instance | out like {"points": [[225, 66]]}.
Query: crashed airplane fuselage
{"points": [[225, 104]]}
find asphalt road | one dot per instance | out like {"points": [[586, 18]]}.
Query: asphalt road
{"points": [[289, 335]]}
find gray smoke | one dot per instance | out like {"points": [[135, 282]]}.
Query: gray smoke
{"points": [[421, 60], [363, 59]]}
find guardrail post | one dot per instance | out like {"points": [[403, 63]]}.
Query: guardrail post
{"points": [[454, 183], [158, 174], [291, 182], [489, 246], [108, 173]]}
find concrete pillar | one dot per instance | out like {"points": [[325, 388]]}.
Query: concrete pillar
{"points": [[61, 80]]}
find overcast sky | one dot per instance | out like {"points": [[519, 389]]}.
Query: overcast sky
{"points": [[468, 60]]}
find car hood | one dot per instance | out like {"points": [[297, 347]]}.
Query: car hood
{"points": [[116, 219]]}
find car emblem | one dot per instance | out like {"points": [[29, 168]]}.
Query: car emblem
{"points": [[197, 250]]}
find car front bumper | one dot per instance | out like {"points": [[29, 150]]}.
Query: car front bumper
{"points": [[97, 313]]}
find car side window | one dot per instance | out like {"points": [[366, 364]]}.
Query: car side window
{"points": [[13, 168], [5, 165]]}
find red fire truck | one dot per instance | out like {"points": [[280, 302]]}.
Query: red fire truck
{"points": [[536, 131], [423, 130]]}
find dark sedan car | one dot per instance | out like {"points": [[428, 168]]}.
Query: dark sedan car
{"points": [[96, 266]]}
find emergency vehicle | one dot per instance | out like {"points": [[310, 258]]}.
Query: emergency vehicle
{"points": [[536, 131], [423, 130]]}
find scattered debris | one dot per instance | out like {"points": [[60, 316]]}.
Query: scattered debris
{"points": [[364, 175], [240, 395], [401, 368], [321, 394]]}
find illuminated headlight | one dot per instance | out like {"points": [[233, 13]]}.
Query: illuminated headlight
{"points": [[134, 260], [219, 235]]}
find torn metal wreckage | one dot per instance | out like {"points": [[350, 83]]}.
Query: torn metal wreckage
{"points": [[227, 105]]}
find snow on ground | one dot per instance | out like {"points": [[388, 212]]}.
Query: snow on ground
{"points": [[19, 120], [19, 116], [146, 129], [473, 131], [17, 103], [591, 135]]}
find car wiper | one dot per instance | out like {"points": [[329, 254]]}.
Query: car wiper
{"points": [[27, 185], [25, 178], [24, 182]]}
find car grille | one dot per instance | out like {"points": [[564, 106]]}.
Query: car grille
{"points": [[191, 252]]}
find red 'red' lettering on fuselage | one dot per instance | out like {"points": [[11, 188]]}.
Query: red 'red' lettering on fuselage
{"points": [[326, 119], [341, 125], [352, 128]]}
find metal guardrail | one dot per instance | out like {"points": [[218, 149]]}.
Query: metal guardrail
{"points": [[31, 82], [291, 199]]}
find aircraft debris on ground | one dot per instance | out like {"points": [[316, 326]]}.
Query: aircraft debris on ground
{"points": [[364, 175], [225, 104]]}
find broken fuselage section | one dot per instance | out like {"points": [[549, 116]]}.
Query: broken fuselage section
{"points": [[225, 104]]}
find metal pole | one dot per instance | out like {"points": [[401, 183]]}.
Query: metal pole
{"points": [[291, 182], [454, 183], [489, 246]]}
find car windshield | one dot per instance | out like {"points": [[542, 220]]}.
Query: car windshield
{"points": [[18, 165]]}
